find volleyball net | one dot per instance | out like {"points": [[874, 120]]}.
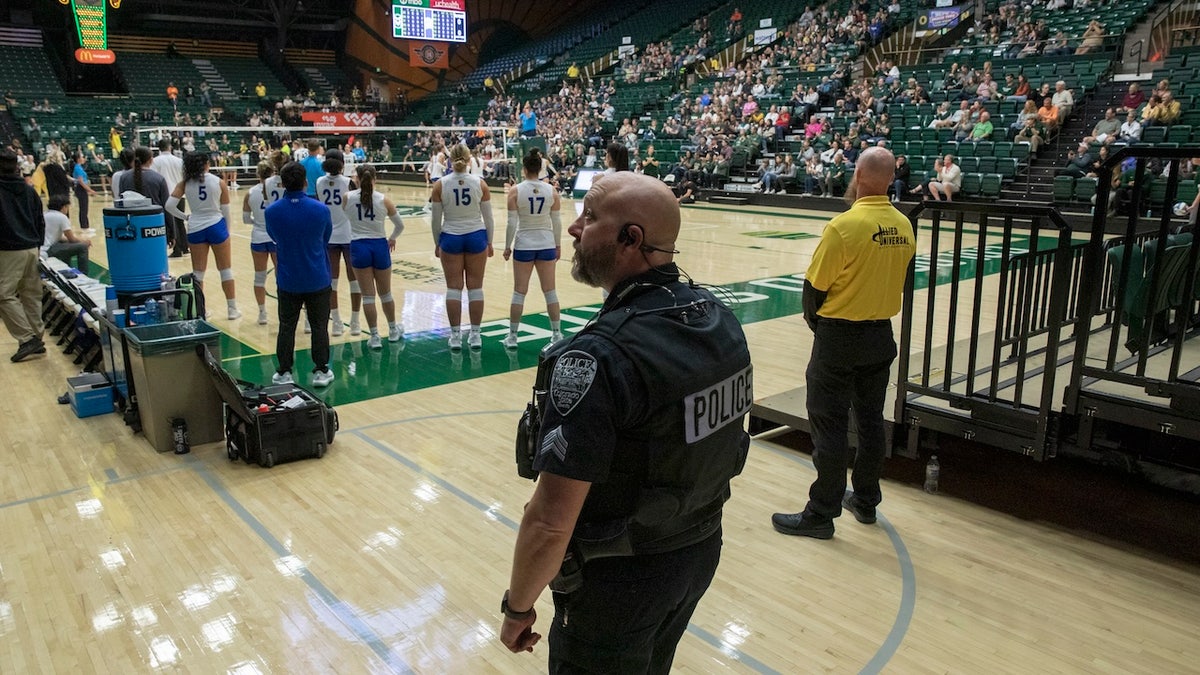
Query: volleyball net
{"points": [[395, 150]]}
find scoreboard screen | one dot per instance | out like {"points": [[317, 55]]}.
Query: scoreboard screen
{"points": [[435, 20]]}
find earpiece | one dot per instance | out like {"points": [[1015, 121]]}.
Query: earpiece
{"points": [[625, 237]]}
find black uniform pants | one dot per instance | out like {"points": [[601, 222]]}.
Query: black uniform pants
{"points": [[631, 612], [316, 304], [82, 196], [849, 368]]}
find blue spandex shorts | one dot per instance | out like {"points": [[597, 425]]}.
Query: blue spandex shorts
{"points": [[265, 247], [471, 243], [370, 254], [217, 233], [548, 254]]}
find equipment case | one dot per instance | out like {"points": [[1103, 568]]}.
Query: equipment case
{"points": [[276, 433]]}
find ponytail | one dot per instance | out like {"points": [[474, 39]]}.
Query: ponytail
{"points": [[366, 182], [140, 156]]}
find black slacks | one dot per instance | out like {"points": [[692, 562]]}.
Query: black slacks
{"points": [[316, 305], [631, 612], [849, 368]]}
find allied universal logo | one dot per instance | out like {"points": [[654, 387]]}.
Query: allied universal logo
{"points": [[430, 54]]}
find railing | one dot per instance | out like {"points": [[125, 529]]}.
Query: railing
{"points": [[974, 389]]}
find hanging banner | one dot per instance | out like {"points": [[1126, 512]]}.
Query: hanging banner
{"points": [[937, 19], [428, 55], [339, 119]]}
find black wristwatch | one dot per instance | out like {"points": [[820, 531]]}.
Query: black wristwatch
{"points": [[512, 613]]}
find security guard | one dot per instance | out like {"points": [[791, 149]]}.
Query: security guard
{"points": [[642, 430], [853, 287]]}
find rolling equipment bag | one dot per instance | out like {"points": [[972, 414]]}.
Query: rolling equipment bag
{"points": [[274, 424]]}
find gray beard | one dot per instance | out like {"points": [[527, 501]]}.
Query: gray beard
{"points": [[593, 269]]}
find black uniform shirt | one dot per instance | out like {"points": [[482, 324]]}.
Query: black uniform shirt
{"points": [[594, 392]]}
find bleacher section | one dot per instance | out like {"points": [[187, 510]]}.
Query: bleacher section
{"points": [[319, 69]]}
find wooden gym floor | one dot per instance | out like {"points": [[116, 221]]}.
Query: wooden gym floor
{"points": [[391, 553]]}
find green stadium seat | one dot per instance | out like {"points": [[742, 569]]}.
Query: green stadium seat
{"points": [[1154, 135], [1007, 167], [987, 164], [1064, 188], [990, 186], [1085, 189], [972, 183]]}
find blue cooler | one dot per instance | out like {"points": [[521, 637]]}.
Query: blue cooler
{"points": [[136, 239]]}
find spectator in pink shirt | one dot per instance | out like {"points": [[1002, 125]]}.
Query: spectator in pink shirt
{"points": [[749, 107]]}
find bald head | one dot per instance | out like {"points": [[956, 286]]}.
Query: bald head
{"points": [[874, 171], [642, 200]]}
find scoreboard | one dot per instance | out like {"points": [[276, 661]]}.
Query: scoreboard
{"points": [[435, 20]]}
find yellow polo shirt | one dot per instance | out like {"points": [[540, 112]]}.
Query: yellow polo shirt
{"points": [[861, 261]]}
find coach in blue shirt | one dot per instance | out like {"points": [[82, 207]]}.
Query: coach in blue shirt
{"points": [[301, 228]]}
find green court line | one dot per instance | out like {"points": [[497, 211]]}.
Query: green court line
{"points": [[423, 360]]}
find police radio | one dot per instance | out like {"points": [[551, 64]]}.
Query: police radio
{"points": [[530, 425]]}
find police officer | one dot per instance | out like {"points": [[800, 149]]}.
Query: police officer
{"points": [[853, 287], [642, 429]]}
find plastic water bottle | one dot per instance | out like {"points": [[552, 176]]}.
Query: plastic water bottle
{"points": [[110, 300], [151, 311], [932, 471]]}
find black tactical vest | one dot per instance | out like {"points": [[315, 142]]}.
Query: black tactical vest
{"points": [[670, 474]]}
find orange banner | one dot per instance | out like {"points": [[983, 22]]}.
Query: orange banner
{"points": [[428, 55]]}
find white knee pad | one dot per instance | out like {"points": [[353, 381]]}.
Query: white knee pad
{"points": [[260, 278], [368, 299], [355, 288], [551, 297], [518, 298], [454, 295], [226, 274], [198, 275], [475, 294], [386, 297]]}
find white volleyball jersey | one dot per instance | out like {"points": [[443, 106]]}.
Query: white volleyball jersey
{"points": [[332, 191], [258, 207], [204, 201], [461, 195], [366, 221], [534, 229], [274, 190]]}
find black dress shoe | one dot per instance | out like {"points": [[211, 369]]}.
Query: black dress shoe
{"points": [[863, 514], [176, 254], [798, 524]]}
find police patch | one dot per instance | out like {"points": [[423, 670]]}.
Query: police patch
{"points": [[572, 377]]}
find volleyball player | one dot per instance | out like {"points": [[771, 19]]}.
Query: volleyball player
{"points": [[533, 241], [463, 242], [371, 252], [208, 225], [332, 189], [262, 247]]}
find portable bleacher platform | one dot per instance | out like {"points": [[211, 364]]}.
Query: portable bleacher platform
{"points": [[1017, 334]]}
